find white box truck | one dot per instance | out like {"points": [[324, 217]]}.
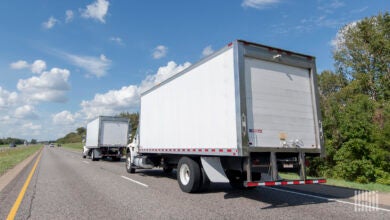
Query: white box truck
{"points": [[237, 116], [106, 136]]}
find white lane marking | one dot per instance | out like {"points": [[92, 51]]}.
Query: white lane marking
{"points": [[134, 181], [329, 199], [86, 162]]}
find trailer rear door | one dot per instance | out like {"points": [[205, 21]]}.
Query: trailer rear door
{"points": [[280, 105]]}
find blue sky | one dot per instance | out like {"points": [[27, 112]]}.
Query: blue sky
{"points": [[63, 63]]}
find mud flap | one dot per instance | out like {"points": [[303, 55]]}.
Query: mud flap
{"points": [[214, 170]]}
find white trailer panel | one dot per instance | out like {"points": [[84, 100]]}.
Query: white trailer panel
{"points": [[92, 135], [280, 101], [196, 110], [114, 133]]}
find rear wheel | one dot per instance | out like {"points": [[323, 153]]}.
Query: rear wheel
{"points": [[188, 175], [129, 167], [93, 156]]}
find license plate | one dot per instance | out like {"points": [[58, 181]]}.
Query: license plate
{"points": [[288, 165]]}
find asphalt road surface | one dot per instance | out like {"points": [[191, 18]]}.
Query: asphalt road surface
{"points": [[65, 186]]}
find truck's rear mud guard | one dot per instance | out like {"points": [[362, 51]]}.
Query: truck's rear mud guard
{"points": [[284, 182]]}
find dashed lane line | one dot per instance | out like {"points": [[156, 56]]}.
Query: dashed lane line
{"points": [[135, 181]]}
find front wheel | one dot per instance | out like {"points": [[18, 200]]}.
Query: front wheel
{"points": [[188, 175], [129, 167]]}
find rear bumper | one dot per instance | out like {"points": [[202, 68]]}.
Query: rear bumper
{"points": [[284, 182]]}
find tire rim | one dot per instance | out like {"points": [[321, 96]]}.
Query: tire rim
{"points": [[128, 163], [184, 174]]}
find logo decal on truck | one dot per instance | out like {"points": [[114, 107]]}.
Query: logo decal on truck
{"points": [[252, 130]]}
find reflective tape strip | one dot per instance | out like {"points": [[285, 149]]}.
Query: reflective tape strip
{"points": [[282, 183], [211, 151]]}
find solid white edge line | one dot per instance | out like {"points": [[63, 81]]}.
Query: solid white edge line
{"points": [[134, 181], [328, 199]]}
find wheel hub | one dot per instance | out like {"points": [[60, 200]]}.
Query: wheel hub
{"points": [[184, 174]]}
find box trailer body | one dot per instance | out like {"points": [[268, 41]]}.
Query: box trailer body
{"points": [[239, 113], [106, 136]]}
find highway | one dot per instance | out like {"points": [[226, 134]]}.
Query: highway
{"points": [[65, 186]]}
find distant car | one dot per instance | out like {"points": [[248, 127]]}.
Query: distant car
{"points": [[12, 145], [51, 145]]}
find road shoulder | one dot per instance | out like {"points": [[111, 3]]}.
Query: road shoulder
{"points": [[7, 177]]}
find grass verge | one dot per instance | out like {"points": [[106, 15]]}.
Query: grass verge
{"points": [[11, 157], [338, 182], [74, 146]]}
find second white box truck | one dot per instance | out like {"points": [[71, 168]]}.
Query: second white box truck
{"points": [[107, 136], [237, 116]]}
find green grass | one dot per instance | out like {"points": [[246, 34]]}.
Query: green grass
{"points": [[11, 157], [343, 183], [73, 146]]}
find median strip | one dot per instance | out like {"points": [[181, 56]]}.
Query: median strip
{"points": [[19, 200], [134, 181]]}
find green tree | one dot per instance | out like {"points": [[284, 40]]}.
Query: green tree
{"points": [[81, 131], [355, 103]]}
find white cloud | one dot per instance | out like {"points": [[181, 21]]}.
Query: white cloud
{"points": [[127, 98], [25, 112], [96, 10], [38, 66], [20, 64], [51, 86], [69, 16], [50, 23], [7, 98], [258, 4], [330, 7], [64, 117], [160, 51], [207, 51], [162, 74], [97, 66], [31, 126], [117, 40], [112, 102]]}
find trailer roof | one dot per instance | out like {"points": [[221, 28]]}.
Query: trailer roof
{"points": [[229, 45], [275, 49]]}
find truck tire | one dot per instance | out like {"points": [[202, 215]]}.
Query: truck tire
{"points": [[188, 175], [129, 167], [93, 158]]}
